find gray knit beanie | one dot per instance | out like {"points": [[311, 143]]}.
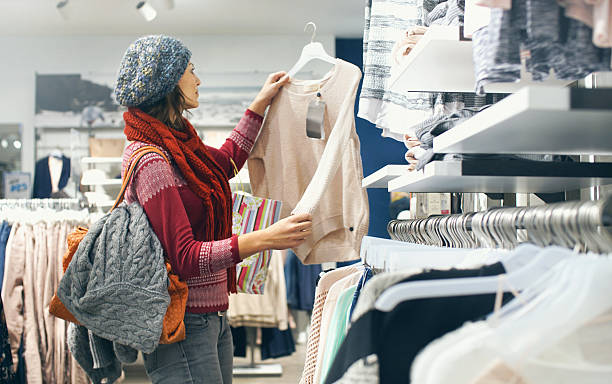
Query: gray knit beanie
{"points": [[150, 69]]}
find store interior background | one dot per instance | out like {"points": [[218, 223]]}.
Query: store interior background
{"points": [[240, 37], [239, 42]]}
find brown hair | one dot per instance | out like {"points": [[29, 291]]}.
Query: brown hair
{"points": [[171, 106]]}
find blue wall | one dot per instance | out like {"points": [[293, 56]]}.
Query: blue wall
{"points": [[376, 151]]}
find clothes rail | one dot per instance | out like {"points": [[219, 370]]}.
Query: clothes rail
{"points": [[57, 204], [581, 225]]}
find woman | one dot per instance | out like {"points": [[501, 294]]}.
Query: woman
{"points": [[188, 202]]}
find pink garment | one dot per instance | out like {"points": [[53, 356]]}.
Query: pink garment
{"points": [[33, 267], [312, 347], [328, 311], [41, 311], [60, 352], [31, 336], [602, 24], [504, 4]]}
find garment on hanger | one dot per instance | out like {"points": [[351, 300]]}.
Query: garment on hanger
{"points": [[276, 343], [7, 374], [314, 335], [337, 328], [313, 175], [329, 307], [45, 184], [446, 13], [555, 38], [301, 282], [533, 342], [385, 22], [410, 327], [367, 275], [5, 230], [33, 266]]}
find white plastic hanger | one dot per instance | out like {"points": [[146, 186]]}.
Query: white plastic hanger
{"points": [[311, 51], [518, 280]]}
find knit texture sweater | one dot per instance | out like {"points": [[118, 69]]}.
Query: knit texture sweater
{"points": [[317, 176], [175, 213]]}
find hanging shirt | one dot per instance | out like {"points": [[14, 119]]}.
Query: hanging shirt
{"points": [[317, 176], [396, 337], [386, 21]]}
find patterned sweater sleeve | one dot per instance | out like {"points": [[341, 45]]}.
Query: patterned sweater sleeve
{"points": [[239, 144], [158, 193]]}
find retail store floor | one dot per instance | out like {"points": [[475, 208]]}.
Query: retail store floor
{"points": [[292, 369]]}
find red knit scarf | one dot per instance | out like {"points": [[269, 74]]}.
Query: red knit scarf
{"points": [[204, 176]]}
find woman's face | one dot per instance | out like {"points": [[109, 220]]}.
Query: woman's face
{"points": [[188, 84]]}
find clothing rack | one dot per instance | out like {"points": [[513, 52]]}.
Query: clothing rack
{"points": [[56, 204], [583, 226]]}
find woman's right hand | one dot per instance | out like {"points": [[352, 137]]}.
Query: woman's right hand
{"points": [[289, 232], [286, 233]]}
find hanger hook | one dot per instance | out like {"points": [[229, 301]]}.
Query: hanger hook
{"points": [[314, 30]]}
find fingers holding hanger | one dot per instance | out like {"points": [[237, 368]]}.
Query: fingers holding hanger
{"points": [[273, 84], [278, 79]]}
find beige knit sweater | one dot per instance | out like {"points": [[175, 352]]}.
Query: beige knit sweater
{"points": [[321, 177]]}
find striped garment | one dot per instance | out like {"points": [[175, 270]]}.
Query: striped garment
{"points": [[385, 22]]}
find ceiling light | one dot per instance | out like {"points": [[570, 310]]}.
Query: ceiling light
{"points": [[61, 8], [169, 4], [146, 10], [17, 144], [4, 143]]}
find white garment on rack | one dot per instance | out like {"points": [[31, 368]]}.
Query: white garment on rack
{"points": [[545, 336]]}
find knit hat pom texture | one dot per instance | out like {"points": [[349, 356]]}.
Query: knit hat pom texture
{"points": [[150, 69]]}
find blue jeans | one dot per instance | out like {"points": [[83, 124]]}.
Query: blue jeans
{"points": [[205, 356]]}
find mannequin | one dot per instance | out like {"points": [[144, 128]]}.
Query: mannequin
{"points": [[51, 176]]}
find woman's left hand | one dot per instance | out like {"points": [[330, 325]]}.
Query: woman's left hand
{"points": [[273, 84]]}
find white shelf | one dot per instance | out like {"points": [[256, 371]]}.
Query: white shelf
{"points": [[103, 204], [537, 120], [102, 160], [440, 62], [104, 182], [381, 178], [469, 176]]}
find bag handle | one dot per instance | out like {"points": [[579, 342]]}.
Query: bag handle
{"points": [[135, 158], [236, 173]]}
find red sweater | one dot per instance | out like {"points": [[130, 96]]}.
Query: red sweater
{"points": [[174, 212]]}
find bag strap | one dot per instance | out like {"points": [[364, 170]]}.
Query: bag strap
{"points": [[134, 159]]}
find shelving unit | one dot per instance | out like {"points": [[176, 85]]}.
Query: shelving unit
{"points": [[381, 178], [442, 62], [535, 120], [503, 176]]}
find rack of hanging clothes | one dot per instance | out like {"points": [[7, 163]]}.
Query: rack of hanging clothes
{"points": [[508, 295], [585, 225], [32, 243]]}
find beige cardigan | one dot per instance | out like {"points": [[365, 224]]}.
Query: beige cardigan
{"points": [[321, 177]]}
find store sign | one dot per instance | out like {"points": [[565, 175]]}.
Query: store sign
{"points": [[17, 185]]}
